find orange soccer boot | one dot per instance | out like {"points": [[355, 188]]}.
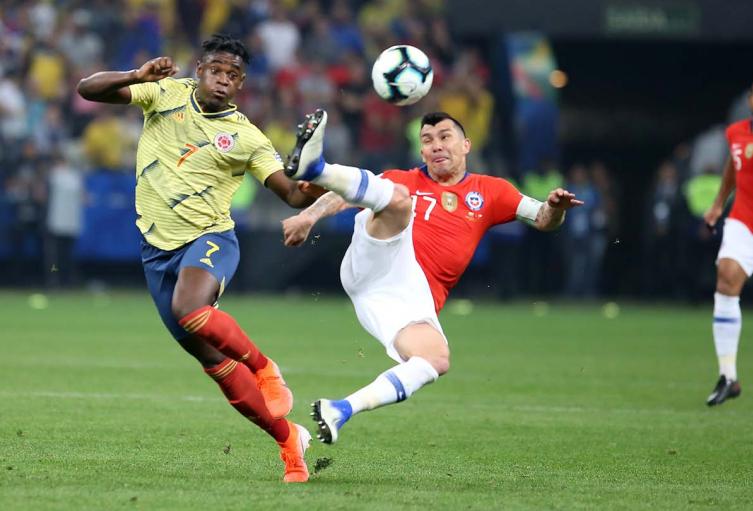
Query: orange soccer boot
{"points": [[292, 451], [277, 395]]}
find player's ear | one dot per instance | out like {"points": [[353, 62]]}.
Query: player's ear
{"points": [[242, 81], [466, 145]]}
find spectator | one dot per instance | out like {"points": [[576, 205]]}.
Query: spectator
{"points": [[65, 198], [580, 263], [280, 38], [661, 234]]}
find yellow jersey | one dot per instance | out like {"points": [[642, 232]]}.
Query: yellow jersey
{"points": [[189, 163]]}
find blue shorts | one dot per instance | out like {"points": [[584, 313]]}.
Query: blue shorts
{"points": [[216, 253]]}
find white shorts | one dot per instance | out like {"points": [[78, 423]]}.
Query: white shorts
{"points": [[737, 244], [387, 286]]}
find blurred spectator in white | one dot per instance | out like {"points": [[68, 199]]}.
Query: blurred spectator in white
{"points": [[42, 19], [79, 44], [12, 108], [280, 37], [65, 199], [315, 87]]}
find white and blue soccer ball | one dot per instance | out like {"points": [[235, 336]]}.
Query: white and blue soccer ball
{"points": [[402, 74]]}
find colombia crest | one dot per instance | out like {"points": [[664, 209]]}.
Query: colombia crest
{"points": [[224, 142]]}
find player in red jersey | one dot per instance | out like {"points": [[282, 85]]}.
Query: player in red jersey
{"points": [[410, 246], [735, 258]]}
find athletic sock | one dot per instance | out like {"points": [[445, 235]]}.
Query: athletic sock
{"points": [[394, 385], [222, 331], [238, 384], [357, 186], [727, 326]]}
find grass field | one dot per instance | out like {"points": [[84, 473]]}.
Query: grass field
{"points": [[543, 409]]}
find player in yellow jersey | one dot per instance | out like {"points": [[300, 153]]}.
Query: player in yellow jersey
{"points": [[193, 152]]}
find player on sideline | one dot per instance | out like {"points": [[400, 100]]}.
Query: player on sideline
{"points": [[410, 246], [735, 258], [193, 152]]}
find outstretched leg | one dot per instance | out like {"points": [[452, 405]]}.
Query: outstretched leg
{"points": [[426, 356], [357, 186]]}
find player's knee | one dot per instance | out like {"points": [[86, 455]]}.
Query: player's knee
{"points": [[727, 287], [441, 363], [439, 358], [729, 280]]}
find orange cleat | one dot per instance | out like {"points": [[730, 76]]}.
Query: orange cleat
{"points": [[292, 451], [277, 395]]}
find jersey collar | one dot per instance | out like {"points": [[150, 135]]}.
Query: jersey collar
{"points": [[423, 168], [211, 115]]}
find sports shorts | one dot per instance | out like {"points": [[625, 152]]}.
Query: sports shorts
{"points": [[737, 244], [387, 286], [216, 253]]}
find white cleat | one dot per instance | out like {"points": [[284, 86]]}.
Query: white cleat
{"points": [[306, 162], [330, 416]]}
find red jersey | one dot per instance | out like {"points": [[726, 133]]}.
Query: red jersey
{"points": [[740, 139], [449, 221]]}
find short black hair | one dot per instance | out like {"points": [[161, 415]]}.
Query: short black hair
{"points": [[433, 118], [226, 43]]}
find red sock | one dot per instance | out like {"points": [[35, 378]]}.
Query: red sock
{"points": [[222, 331], [238, 384]]}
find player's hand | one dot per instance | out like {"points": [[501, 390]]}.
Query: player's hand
{"points": [[296, 229], [156, 69], [562, 199], [711, 217]]}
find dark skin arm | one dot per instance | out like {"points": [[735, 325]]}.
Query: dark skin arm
{"points": [[296, 194], [112, 86]]}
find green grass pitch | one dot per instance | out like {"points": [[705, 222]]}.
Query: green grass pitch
{"points": [[543, 408]]}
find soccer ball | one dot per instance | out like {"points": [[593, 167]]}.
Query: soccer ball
{"points": [[402, 74]]}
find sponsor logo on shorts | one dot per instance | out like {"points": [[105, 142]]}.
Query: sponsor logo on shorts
{"points": [[474, 201], [749, 151]]}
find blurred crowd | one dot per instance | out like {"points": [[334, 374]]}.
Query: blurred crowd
{"points": [[305, 54]]}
